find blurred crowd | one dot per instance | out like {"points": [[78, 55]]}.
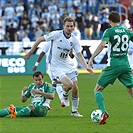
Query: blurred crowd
{"points": [[27, 20]]}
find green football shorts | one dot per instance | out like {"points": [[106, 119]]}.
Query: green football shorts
{"points": [[111, 73], [39, 111]]}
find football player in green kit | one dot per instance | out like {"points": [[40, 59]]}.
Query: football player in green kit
{"points": [[40, 93], [117, 39]]}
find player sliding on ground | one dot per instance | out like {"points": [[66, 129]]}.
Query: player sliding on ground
{"points": [[40, 93]]}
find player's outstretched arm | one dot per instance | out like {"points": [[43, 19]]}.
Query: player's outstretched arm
{"points": [[83, 62], [97, 51], [41, 39], [38, 61]]}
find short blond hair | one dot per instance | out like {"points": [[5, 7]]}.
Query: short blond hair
{"points": [[68, 19]]}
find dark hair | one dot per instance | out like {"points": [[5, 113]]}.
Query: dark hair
{"points": [[114, 17], [36, 74], [68, 19]]}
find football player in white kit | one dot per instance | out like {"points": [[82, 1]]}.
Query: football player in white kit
{"points": [[61, 65], [56, 84]]}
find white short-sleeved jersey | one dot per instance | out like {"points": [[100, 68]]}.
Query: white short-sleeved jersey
{"points": [[46, 50], [60, 48]]}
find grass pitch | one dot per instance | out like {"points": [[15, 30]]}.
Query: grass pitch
{"points": [[118, 104]]}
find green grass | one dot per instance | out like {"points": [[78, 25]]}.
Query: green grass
{"points": [[118, 104]]}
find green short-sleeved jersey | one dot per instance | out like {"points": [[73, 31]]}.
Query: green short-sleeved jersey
{"points": [[118, 65], [39, 99], [118, 42]]}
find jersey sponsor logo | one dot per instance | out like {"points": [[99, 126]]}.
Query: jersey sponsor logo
{"points": [[63, 49]]}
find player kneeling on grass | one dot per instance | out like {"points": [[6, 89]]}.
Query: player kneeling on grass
{"points": [[40, 92]]}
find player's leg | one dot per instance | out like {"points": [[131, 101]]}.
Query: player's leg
{"points": [[130, 91], [75, 96], [100, 102], [32, 110], [75, 100], [39, 111], [59, 91], [67, 86], [25, 111], [127, 80], [10, 110], [4, 112], [108, 76], [99, 97], [66, 81], [57, 87]]}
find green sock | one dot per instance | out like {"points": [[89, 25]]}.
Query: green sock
{"points": [[24, 112], [100, 101], [4, 112]]}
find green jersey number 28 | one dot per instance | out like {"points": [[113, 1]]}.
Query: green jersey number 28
{"points": [[121, 40]]}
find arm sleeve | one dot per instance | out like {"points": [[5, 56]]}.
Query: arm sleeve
{"points": [[47, 47], [50, 88], [76, 46], [52, 35], [27, 93], [106, 35]]}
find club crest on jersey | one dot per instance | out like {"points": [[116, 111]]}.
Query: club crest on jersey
{"points": [[71, 43]]}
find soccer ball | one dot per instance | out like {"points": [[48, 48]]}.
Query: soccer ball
{"points": [[96, 115]]}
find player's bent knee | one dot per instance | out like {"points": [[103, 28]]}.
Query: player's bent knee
{"points": [[31, 106], [68, 86]]}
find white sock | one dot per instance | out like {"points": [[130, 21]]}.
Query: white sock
{"points": [[59, 91], [75, 103]]}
